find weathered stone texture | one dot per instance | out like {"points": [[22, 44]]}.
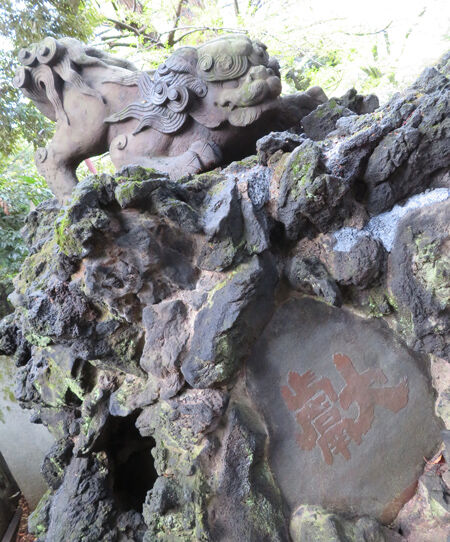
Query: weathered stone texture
{"points": [[418, 276], [343, 400], [138, 310]]}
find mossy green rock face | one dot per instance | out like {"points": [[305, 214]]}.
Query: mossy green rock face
{"points": [[320, 122], [136, 315], [110, 305], [236, 312], [308, 194], [418, 277]]}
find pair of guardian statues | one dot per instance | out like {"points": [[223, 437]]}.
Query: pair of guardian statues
{"points": [[203, 107]]}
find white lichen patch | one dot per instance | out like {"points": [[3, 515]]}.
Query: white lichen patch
{"points": [[384, 226]]}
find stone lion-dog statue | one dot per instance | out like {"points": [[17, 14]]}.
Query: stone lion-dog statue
{"points": [[204, 107]]}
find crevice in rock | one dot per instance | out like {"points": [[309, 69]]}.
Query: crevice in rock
{"points": [[70, 398], [139, 346], [86, 374], [360, 190], [132, 468], [278, 238]]}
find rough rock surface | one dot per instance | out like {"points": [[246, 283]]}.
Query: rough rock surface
{"points": [[418, 276], [142, 299], [342, 399], [320, 122], [314, 524]]}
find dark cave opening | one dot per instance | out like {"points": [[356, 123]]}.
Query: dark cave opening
{"points": [[132, 466], [360, 191]]}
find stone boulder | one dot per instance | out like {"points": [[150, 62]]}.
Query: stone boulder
{"points": [[342, 400], [418, 276]]}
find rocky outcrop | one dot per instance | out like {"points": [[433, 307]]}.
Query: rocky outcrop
{"points": [[418, 276], [138, 311]]}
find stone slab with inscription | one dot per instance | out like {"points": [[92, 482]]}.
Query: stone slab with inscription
{"points": [[349, 409]]}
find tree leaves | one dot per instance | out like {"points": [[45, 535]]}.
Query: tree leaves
{"points": [[20, 188]]}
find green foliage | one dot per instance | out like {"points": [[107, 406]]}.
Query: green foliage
{"points": [[29, 21], [372, 71], [21, 188]]}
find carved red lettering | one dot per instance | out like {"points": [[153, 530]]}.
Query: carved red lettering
{"points": [[317, 406]]}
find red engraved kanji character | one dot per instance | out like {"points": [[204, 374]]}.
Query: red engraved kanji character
{"points": [[310, 397], [314, 409], [313, 401], [335, 440], [359, 389], [305, 386]]}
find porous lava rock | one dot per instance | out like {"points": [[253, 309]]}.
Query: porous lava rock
{"points": [[418, 276], [320, 122], [141, 301]]}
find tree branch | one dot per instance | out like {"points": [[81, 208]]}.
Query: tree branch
{"points": [[212, 29], [229, 29], [124, 26], [109, 38], [301, 51], [171, 36], [121, 44], [366, 33], [154, 38]]}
